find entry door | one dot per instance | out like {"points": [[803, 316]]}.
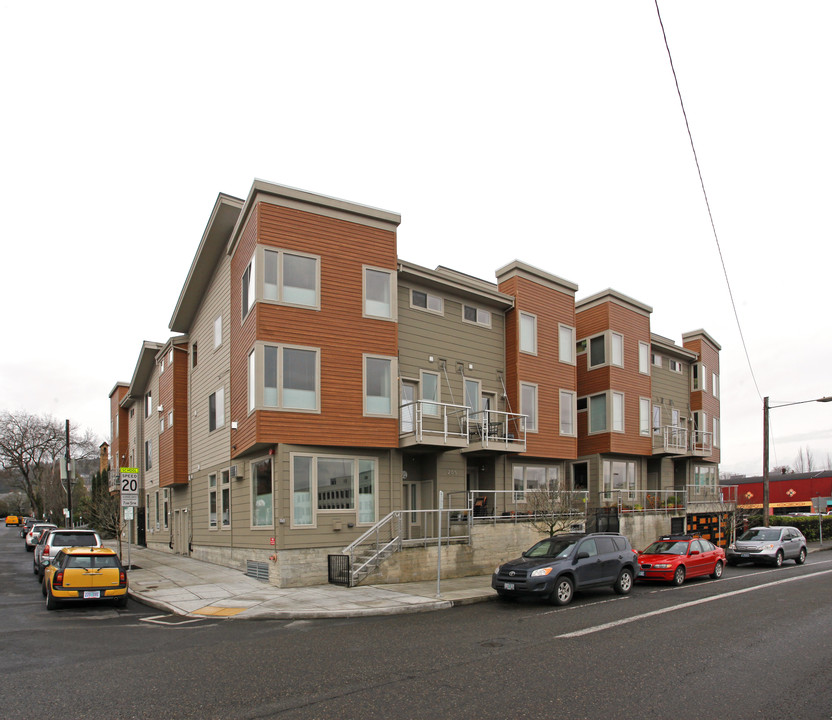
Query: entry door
{"points": [[180, 532], [410, 504], [408, 419]]}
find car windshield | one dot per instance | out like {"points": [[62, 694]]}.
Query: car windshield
{"points": [[552, 547], [761, 534], [667, 547]]}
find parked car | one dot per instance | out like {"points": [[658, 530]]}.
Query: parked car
{"points": [[676, 557], [58, 538], [12, 520], [26, 525], [770, 545], [84, 573], [557, 566], [31, 538]]}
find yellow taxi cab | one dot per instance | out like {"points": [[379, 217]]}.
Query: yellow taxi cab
{"points": [[85, 574], [12, 520]]}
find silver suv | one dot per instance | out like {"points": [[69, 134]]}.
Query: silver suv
{"points": [[770, 545], [557, 566], [57, 539]]}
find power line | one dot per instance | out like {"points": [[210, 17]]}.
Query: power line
{"points": [[707, 204]]}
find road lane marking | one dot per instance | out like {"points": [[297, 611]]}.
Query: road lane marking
{"points": [[634, 618]]}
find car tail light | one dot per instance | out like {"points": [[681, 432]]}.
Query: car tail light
{"points": [[122, 577], [45, 550], [58, 579]]}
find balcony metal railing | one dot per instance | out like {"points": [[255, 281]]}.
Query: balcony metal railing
{"points": [[671, 438], [494, 428], [433, 422], [702, 442], [722, 495]]}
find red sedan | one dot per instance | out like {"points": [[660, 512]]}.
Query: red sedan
{"points": [[676, 557]]}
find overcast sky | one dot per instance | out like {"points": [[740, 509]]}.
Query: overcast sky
{"points": [[548, 132]]}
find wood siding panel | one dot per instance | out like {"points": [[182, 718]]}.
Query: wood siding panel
{"points": [[705, 400]]}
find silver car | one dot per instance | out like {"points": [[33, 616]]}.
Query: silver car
{"points": [[770, 545]]}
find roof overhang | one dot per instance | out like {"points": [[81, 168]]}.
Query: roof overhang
{"points": [[446, 279], [142, 373]]}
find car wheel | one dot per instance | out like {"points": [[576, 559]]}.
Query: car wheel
{"points": [[624, 583], [717, 573], [43, 587], [801, 557], [562, 594], [34, 567], [778, 559], [679, 575], [51, 602]]}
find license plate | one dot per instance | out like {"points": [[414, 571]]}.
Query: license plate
{"points": [[641, 573], [509, 586], [92, 594], [744, 555]]}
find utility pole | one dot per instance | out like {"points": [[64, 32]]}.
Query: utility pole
{"points": [[68, 476], [765, 462]]}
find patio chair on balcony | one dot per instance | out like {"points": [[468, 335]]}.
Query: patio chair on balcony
{"points": [[481, 506]]}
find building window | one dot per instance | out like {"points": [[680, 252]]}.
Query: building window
{"points": [[148, 454], [476, 315], [644, 358], [656, 359], [170, 419], [148, 404], [472, 395], [704, 478], [531, 478], [698, 378], [247, 289], [657, 419], [644, 416], [598, 413], [291, 278], [568, 409], [378, 293], [426, 301], [597, 351], [528, 405], [618, 412], [156, 504], [566, 344], [326, 483], [617, 349], [162, 366], [212, 500], [378, 385], [715, 422], [290, 377], [430, 392], [161, 425], [674, 365], [147, 518], [619, 477], [217, 331], [165, 509], [715, 385], [193, 355], [528, 333], [261, 494], [225, 498], [216, 409]]}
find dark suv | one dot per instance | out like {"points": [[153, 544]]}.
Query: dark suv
{"points": [[557, 566]]}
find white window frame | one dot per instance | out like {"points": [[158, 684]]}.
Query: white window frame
{"points": [[148, 454], [657, 426], [223, 512], [483, 316], [643, 357], [616, 349], [645, 418], [520, 479], [566, 344], [170, 419], [392, 390], [630, 481], [715, 428], [217, 331], [257, 378], [430, 298], [391, 285], [362, 516], [589, 405], [603, 337], [655, 359], [618, 411], [165, 507], [212, 499], [568, 399], [278, 296], [531, 414], [217, 415], [248, 287], [715, 385], [252, 480], [430, 405], [527, 333]]}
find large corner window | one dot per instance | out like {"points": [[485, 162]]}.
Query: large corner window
{"points": [[378, 293], [619, 478], [534, 478], [291, 278], [334, 485], [378, 385], [597, 351], [284, 378], [262, 507]]}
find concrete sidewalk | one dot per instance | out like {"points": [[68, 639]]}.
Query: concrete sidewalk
{"points": [[186, 586]]}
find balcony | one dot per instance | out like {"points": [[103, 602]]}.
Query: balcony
{"points": [[442, 425], [673, 440], [703, 443]]}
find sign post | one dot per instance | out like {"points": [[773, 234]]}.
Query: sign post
{"points": [[129, 483], [439, 547]]}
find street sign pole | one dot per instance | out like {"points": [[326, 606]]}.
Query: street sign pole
{"points": [[439, 547], [129, 487]]}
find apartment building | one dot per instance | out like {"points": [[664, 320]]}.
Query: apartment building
{"points": [[315, 383]]}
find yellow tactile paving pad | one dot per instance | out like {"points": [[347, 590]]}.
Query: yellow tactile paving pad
{"points": [[218, 611]]}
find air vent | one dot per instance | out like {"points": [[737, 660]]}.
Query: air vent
{"points": [[232, 471], [257, 570]]}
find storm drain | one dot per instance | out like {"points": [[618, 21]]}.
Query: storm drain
{"points": [[257, 570]]}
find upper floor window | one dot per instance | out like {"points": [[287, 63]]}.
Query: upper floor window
{"points": [[674, 365], [284, 377], [715, 422], [472, 395], [528, 405], [217, 331], [247, 289], [568, 409], [378, 385], [148, 404], [216, 409], [698, 377], [715, 385], [193, 355], [528, 333], [430, 391], [426, 301], [618, 412], [598, 413], [644, 416], [566, 344], [597, 351], [644, 358], [378, 292], [291, 278], [617, 341], [148, 454], [262, 507], [656, 359], [476, 315]]}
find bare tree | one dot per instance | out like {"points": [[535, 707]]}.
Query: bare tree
{"points": [[30, 445], [554, 510], [805, 460]]}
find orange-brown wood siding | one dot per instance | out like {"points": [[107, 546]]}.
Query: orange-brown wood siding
{"points": [[338, 329], [551, 308], [120, 441], [705, 401]]}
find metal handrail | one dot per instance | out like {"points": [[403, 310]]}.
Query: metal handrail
{"points": [[448, 420]]}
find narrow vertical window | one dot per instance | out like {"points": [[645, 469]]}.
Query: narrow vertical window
{"points": [[644, 416], [218, 331], [618, 412], [566, 344], [617, 349], [270, 398], [247, 289], [252, 382], [528, 405], [567, 413], [377, 293], [528, 333], [644, 358], [377, 386], [597, 351], [261, 494], [212, 501], [598, 413], [225, 498], [302, 490], [270, 261]]}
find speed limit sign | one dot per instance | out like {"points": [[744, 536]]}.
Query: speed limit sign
{"points": [[129, 487]]}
